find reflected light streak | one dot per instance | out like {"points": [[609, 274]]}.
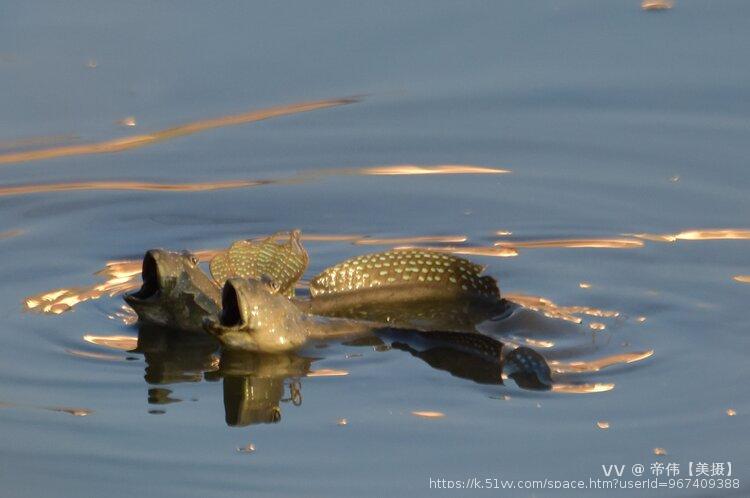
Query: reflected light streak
{"points": [[745, 279], [427, 239], [596, 365], [553, 310], [10, 233], [327, 372], [119, 342], [703, 234], [598, 387], [428, 414], [574, 243], [137, 141], [445, 169], [496, 252], [128, 185]]}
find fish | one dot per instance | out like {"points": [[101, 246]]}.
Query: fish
{"points": [[175, 292], [254, 317], [284, 264], [411, 288]]}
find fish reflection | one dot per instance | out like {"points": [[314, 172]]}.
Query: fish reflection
{"points": [[475, 357], [254, 384]]}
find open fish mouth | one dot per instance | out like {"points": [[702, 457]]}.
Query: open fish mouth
{"points": [[151, 286], [231, 317]]}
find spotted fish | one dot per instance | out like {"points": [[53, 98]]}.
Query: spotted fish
{"points": [[438, 274], [283, 264], [413, 288]]}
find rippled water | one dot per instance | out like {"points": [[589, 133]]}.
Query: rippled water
{"points": [[592, 155]]}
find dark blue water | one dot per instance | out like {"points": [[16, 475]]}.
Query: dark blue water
{"points": [[613, 121]]}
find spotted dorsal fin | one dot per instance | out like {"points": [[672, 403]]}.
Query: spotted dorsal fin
{"points": [[284, 264], [405, 268]]}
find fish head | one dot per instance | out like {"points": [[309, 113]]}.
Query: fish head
{"points": [[160, 273], [254, 317]]}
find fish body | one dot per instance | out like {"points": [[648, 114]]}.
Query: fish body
{"points": [[175, 292], [255, 318], [411, 288], [283, 264]]}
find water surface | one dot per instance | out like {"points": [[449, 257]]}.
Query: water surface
{"points": [[592, 155]]}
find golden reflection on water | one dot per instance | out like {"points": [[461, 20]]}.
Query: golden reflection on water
{"points": [[657, 5], [745, 279], [10, 233], [137, 141], [596, 365], [428, 414], [446, 169], [327, 372], [426, 239], [119, 342], [574, 243], [552, 310], [127, 185], [599, 387], [76, 412], [496, 252], [704, 234]]}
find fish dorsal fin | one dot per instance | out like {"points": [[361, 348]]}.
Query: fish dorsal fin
{"points": [[284, 264], [406, 268]]}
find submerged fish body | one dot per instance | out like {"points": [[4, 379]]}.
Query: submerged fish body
{"points": [[175, 292], [414, 288], [474, 356], [283, 264]]}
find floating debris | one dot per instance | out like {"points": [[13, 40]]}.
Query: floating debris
{"points": [[597, 326], [731, 412], [602, 424], [660, 451], [640, 319], [428, 414], [657, 5], [342, 422], [584, 285], [674, 179], [248, 448]]}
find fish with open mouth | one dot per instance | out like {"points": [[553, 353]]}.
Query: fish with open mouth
{"points": [[177, 294]]}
